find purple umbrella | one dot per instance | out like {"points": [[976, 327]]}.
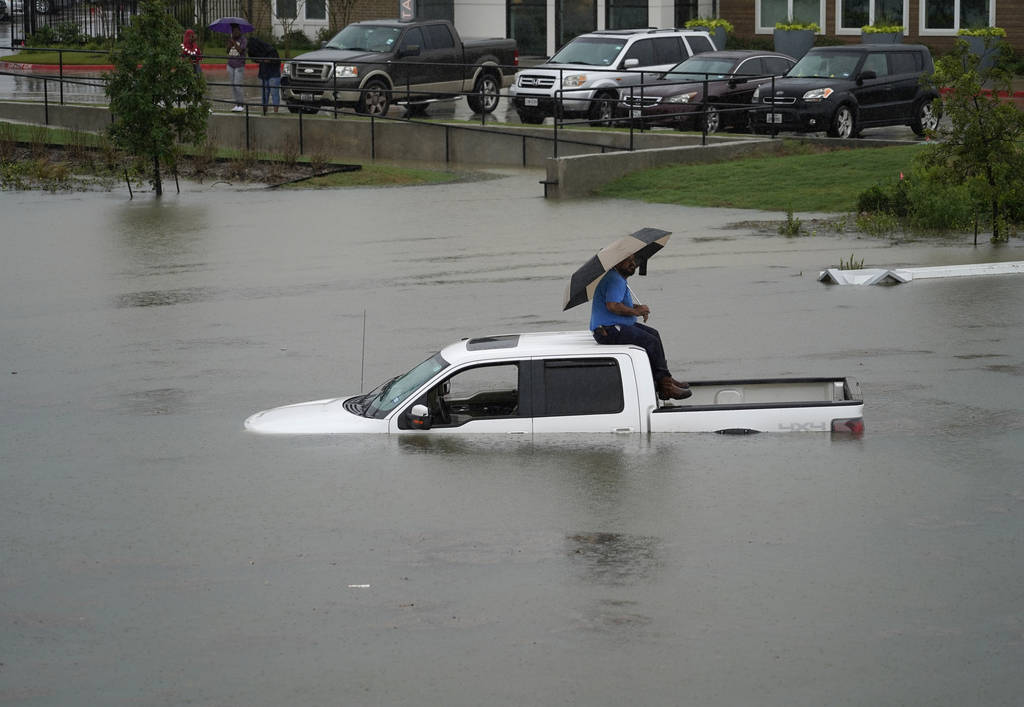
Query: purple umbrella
{"points": [[223, 25]]}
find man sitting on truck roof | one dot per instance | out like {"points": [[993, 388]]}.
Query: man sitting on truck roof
{"points": [[613, 319]]}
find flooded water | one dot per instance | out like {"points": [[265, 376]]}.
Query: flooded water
{"points": [[153, 553]]}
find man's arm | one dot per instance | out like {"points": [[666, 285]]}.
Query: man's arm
{"points": [[640, 310]]}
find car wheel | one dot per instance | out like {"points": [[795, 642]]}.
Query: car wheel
{"points": [[485, 96], [43, 7], [843, 124], [712, 120], [926, 116], [602, 109], [375, 99], [531, 117]]}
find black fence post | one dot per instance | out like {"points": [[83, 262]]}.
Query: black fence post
{"points": [[60, 70], [301, 146], [46, 101], [247, 126]]}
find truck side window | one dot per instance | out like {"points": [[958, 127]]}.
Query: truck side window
{"points": [[642, 51], [440, 37], [582, 387], [669, 50], [699, 45], [413, 37], [476, 393]]}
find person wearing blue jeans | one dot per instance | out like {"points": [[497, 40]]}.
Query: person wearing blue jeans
{"points": [[613, 320], [236, 66]]}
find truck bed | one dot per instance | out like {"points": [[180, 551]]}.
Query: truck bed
{"points": [[765, 405]]}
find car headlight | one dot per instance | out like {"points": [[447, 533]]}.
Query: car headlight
{"points": [[682, 97], [756, 98], [818, 94], [342, 71], [287, 69], [574, 80]]}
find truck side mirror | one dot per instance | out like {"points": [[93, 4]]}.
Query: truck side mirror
{"points": [[409, 50], [630, 63], [865, 76], [419, 416]]}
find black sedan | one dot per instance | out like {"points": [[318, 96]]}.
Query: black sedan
{"points": [[677, 98]]}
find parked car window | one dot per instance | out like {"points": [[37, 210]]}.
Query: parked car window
{"points": [[582, 387], [699, 45], [367, 38], [905, 62], [697, 67], [669, 50], [824, 66], [440, 37], [876, 62], [642, 51], [750, 67], [776, 65], [413, 37]]}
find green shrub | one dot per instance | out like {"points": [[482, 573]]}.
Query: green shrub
{"points": [[297, 39]]}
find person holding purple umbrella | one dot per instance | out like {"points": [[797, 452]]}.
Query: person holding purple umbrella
{"points": [[237, 44]]}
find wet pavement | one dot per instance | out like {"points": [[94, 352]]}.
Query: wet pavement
{"points": [[153, 553]]}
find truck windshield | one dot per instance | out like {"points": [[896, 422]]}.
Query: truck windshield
{"points": [[387, 396], [365, 38], [592, 51]]}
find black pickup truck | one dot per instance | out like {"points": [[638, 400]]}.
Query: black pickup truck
{"points": [[370, 65]]}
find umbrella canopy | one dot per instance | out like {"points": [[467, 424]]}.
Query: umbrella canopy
{"points": [[223, 25], [641, 245]]}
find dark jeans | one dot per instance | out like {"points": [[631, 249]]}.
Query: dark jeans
{"points": [[641, 335]]}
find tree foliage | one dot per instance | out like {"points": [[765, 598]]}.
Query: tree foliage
{"points": [[980, 145], [156, 98]]}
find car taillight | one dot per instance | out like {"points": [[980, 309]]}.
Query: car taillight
{"points": [[849, 425], [515, 57]]}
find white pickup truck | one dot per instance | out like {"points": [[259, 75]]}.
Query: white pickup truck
{"points": [[565, 382]]}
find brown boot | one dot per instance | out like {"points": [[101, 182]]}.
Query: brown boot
{"points": [[668, 390], [680, 383]]}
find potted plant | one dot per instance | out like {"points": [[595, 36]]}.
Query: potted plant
{"points": [[984, 42], [715, 26], [883, 31], [795, 38]]}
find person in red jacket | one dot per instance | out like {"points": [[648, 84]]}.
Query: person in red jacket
{"points": [[190, 50]]}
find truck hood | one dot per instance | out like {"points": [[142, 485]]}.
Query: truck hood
{"points": [[327, 416], [341, 56]]}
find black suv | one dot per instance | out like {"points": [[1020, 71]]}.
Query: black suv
{"points": [[845, 89]]}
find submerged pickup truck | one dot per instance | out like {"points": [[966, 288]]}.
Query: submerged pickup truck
{"points": [[565, 382], [370, 65]]}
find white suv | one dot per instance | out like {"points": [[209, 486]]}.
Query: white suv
{"points": [[584, 77]]}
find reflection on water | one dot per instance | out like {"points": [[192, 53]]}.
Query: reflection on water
{"points": [[164, 298], [613, 558]]}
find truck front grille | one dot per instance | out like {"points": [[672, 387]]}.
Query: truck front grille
{"points": [[310, 71], [534, 81]]}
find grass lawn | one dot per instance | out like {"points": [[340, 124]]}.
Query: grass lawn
{"points": [[102, 58], [372, 175], [807, 179]]}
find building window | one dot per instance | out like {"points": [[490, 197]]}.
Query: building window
{"points": [[528, 25], [573, 18], [626, 14], [851, 15], [945, 17], [685, 10], [316, 9], [771, 12], [286, 9]]}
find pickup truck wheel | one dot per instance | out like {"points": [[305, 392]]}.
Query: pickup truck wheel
{"points": [[843, 123], [602, 109], [485, 96], [375, 99], [531, 117]]}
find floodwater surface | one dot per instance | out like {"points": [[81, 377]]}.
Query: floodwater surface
{"points": [[154, 553]]}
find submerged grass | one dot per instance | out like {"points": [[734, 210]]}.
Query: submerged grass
{"points": [[377, 176], [805, 179]]}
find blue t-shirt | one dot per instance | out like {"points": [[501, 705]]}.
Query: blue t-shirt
{"points": [[612, 288]]}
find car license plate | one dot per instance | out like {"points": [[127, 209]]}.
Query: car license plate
{"points": [[636, 113], [775, 118], [530, 101], [306, 97]]}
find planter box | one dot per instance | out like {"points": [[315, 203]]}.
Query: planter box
{"points": [[881, 37], [794, 42], [985, 48]]}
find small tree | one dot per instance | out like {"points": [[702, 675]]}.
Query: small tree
{"points": [[981, 145], [156, 98]]}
